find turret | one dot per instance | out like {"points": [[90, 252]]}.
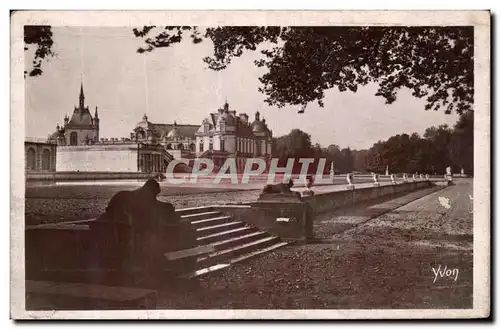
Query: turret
{"points": [[96, 125], [257, 116], [66, 120]]}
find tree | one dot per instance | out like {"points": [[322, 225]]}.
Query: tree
{"points": [[439, 148], [303, 62], [39, 36], [360, 160], [296, 144], [347, 160], [463, 143]]}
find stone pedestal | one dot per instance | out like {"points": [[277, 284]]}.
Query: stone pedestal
{"points": [[103, 251], [285, 215]]}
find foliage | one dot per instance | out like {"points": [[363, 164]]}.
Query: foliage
{"points": [[39, 36], [439, 148], [303, 62]]}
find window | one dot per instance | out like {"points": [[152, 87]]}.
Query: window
{"points": [[31, 157], [222, 145], [46, 160], [73, 138], [192, 147], [141, 162], [201, 147], [210, 146]]}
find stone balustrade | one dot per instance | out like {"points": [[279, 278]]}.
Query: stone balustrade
{"points": [[292, 217]]}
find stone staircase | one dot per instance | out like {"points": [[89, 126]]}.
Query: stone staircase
{"points": [[234, 241], [180, 167]]}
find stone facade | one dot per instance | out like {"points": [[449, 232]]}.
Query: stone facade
{"points": [[151, 146], [225, 134], [40, 155], [122, 157]]}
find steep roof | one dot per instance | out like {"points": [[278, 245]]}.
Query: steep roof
{"points": [[162, 129], [81, 118]]}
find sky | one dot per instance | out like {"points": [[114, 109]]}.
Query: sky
{"points": [[174, 84]]}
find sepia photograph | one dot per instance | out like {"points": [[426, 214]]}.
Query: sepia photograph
{"points": [[250, 164]]}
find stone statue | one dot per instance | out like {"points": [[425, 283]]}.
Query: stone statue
{"points": [[421, 176], [414, 177], [387, 170], [332, 172], [375, 179], [405, 177], [393, 179], [280, 188], [350, 181], [135, 204], [158, 228], [427, 176]]}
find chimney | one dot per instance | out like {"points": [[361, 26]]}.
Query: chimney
{"points": [[244, 117]]}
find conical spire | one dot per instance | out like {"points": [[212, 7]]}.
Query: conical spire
{"points": [[82, 96], [96, 115]]}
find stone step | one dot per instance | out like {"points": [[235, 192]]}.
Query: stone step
{"points": [[201, 215], [193, 210], [211, 221], [224, 235], [226, 255], [226, 266], [239, 240], [219, 228], [258, 252]]}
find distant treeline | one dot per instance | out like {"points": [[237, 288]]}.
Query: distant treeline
{"points": [[439, 148]]}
